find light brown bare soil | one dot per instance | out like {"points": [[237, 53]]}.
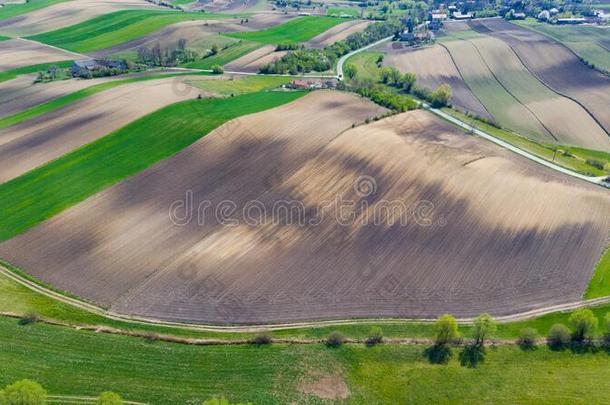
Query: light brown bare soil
{"points": [[22, 93], [255, 60], [433, 66], [337, 33], [64, 14], [331, 387], [18, 52], [483, 230], [39, 140], [555, 65]]}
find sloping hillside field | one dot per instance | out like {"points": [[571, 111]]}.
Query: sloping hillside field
{"points": [[292, 214]]}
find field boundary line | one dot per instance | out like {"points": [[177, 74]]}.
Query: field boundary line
{"points": [[80, 55], [270, 327], [82, 399]]}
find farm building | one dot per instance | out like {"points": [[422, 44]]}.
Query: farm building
{"points": [[88, 67]]}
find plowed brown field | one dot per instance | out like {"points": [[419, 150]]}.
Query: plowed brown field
{"points": [[484, 230], [18, 52], [337, 33]]}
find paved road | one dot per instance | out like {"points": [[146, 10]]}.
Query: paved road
{"points": [[352, 53]]}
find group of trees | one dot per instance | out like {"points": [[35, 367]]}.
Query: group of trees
{"points": [[321, 60], [168, 55], [28, 392], [582, 336]]}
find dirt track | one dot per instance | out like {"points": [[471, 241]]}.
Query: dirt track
{"points": [[502, 234], [64, 14], [36, 141], [433, 66]]}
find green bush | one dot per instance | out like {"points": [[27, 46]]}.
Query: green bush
{"points": [[527, 338], [584, 323], [109, 398], [217, 69], [598, 164], [335, 339], [375, 336], [24, 392], [261, 339], [559, 337]]}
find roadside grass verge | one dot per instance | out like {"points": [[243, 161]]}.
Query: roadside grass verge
{"points": [[298, 30], [62, 101], [13, 10], [240, 84], [49, 189], [224, 56], [13, 73], [116, 28], [570, 157], [599, 286], [70, 362], [366, 65]]}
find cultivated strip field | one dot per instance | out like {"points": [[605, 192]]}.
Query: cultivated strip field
{"points": [[16, 53], [21, 93], [300, 29], [555, 65], [497, 233], [433, 66], [255, 60], [36, 141], [337, 33], [66, 13]]}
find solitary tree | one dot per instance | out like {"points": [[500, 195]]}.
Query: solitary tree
{"points": [[408, 80], [24, 392], [584, 323], [351, 71], [441, 96], [527, 338], [484, 325], [214, 49], [375, 336], [559, 336], [217, 69], [109, 398], [446, 330]]}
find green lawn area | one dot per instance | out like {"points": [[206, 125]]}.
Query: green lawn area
{"points": [[69, 362], [366, 64], [577, 161], [181, 2], [294, 31], [13, 10], [599, 286], [47, 190], [584, 40], [337, 11], [4, 38], [225, 55], [13, 73], [62, 101], [116, 28], [240, 84]]}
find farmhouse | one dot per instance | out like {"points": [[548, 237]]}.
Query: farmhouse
{"points": [[457, 15], [89, 67]]}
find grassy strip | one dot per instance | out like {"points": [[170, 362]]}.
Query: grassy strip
{"points": [[72, 362], [116, 28], [599, 286], [77, 95], [224, 55], [337, 11], [240, 85], [13, 10], [4, 38], [570, 157], [13, 73], [294, 31], [366, 65], [49, 189]]}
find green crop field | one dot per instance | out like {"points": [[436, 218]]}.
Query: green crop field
{"points": [[13, 10], [599, 286], [366, 64], [53, 187], [116, 28], [240, 84], [224, 56], [3, 38], [584, 40], [77, 95], [295, 31], [13, 73], [69, 362], [337, 11]]}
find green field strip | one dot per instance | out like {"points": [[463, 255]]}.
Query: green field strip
{"points": [[337, 11], [13, 73], [62, 101], [4, 38], [240, 85], [49, 189], [116, 28], [292, 32], [366, 64], [599, 286], [13, 10], [224, 56]]}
